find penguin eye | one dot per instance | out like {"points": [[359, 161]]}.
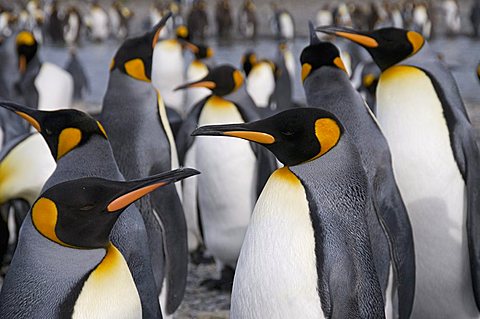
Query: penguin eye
{"points": [[48, 132], [87, 207], [287, 132]]}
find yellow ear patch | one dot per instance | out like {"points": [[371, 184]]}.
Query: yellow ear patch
{"points": [[30, 120], [182, 31], [328, 135], [44, 218], [210, 52], [368, 80], [136, 69], [112, 64], [339, 63], [238, 79], [258, 137], [100, 126], [306, 69], [416, 40], [69, 138], [25, 38], [358, 38]]}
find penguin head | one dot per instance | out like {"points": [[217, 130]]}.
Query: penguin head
{"points": [[319, 54], [63, 130], [203, 52], [387, 46], [222, 80], [294, 136], [181, 32], [249, 59], [27, 47], [81, 213], [134, 57]]}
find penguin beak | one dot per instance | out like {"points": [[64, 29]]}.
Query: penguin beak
{"points": [[243, 131], [135, 190], [158, 28], [363, 39], [190, 46], [22, 63], [31, 115], [203, 83], [313, 34]]}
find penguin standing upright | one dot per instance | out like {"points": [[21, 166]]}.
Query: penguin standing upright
{"points": [[435, 159], [283, 25], [73, 26], [247, 20], [261, 83], [132, 114], [80, 81], [226, 193], [327, 86], [80, 146], [307, 251], [41, 85], [97, 22], [67, 266]]}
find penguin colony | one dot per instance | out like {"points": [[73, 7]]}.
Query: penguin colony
{"points": [[362, 203]]}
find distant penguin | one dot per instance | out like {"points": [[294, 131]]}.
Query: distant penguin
{"points": [[247, 20], [42, 85], [197, 20], [421, 22], [261, 83], [55, 24], [73, 26], [285, 64], [80, 146], [230, 170], [223, 18], [132, 113], [249, 59], [81, 85], [283, 25], [67, 266], [198, 69], [307, 251], [97, 22], [327, 86], [435, 159]]}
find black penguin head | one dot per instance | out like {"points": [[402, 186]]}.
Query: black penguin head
{"points": [[203, 52], [27, 46], [81, 213], [222, 80], [387, 46], [318, 55], [181, 32], [63, 130], [249, 59], [294, 136], [134, 57]]}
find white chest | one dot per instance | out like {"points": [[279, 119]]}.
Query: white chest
{"points": [[411, 116], [227, 186], [261, 83], [55, 88], [109, 291], [276, 274]]}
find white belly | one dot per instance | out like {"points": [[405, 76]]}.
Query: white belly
{"points": [[168, 73], [109, 291], [196, 71], [261, 83], [286, 25], [433, 190], [190, 188], [227, 185], [276, 275], [55, 88]]}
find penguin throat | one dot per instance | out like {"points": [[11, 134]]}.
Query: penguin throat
{"points": [[218, 101]]}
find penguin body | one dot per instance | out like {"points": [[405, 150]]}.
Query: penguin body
{"points": [[261, 83], [98, 277], [418, 96], [327, 86], [306, 253], [247, 20], [285, 25], [132, 113], [98, 23], [73, 26], [77, 71]]}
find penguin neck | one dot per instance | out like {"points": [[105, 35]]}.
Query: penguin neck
{"points": [[138, 97], [33, 67], [94, 158]]}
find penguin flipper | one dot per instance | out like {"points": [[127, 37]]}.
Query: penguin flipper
{"points": [[266, 164], [166, 203], [183, 139], [467, 157], [393, 216]]}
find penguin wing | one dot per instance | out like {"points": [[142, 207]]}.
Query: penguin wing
{"points": [[393, 217], [183, 139], [467, 156]]}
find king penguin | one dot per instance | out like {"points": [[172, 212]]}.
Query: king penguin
{"points": [[134, 116], [307, 251], [67, 267], [198, 69], [232, 171], [42, 85], [327, 86], [435, 160], [80, 146]]}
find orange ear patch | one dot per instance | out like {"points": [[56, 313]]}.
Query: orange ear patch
{"points": [[44, 218], [306, 69], [328, 135], [339, 63], [136, 69], [416, 40], [69, 138]]}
